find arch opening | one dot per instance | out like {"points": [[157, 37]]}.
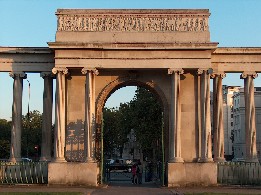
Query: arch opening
{"points": [[140, 128]]}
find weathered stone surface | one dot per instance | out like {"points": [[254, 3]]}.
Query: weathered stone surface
{"points": [[186, 174], [73, 174], [142, 20], [115, 25], [134, 47]]}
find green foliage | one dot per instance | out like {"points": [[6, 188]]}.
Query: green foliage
{"points": [[31, 134], [115, 134], [5, 138], [144, 115], [147, 119], [41, 193]]}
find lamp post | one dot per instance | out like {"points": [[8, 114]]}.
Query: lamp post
{"points": [[28, 117]]}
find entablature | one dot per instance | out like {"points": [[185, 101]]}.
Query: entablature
{"points": [[26, 59], [237, 59]]}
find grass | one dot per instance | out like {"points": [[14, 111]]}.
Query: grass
{"points": [[209, 193], [41, 193]]}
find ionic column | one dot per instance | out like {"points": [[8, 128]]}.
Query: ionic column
{"points": [[218, 124], [250, 116], [175, 117], [89, 111], [15, 147], [47, 116], [206, 146], [60, 113]]}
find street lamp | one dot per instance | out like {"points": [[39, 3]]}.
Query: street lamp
{"points": [[28, 117]]}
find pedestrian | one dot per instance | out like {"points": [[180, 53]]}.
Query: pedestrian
{"points": [[139, 172], [134, 173]]}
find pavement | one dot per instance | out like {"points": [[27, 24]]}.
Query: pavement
{"points": [[129, 189]]}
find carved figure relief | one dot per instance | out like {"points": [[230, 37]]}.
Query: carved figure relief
{"points": [[132, 23]]}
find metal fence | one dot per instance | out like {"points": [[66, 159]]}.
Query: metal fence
{"points": [[24, 173], [239, 173], [153, 172]]}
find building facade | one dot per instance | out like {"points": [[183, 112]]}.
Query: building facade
{"points": [[228, 92], [239, 125]]}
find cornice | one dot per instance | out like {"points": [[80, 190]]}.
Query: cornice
{"points": [[237, 50], [26, 50], [133, 11], [134, 46]]}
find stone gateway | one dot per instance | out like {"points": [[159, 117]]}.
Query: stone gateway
{"points": [[99, 51]]}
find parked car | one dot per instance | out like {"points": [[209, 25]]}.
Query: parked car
{"points": [[238, 160], [27, 160], [109, 161], [128, 161]]}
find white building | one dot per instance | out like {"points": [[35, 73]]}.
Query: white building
{"points": [[239, 123], [228, 117]]}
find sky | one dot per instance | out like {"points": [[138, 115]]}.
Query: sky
{"points": [[32, 23]]}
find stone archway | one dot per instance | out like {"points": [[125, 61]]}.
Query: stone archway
{"points": [[123, 81]]}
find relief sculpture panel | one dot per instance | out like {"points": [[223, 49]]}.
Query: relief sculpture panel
{"points": [[133, 23]]}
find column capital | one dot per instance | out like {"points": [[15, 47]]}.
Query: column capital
{"points": [[208, 70], [46, 74], [220, 74], [246, 74], [175, 70], [55, 70], [85, 70], [18, 74]]}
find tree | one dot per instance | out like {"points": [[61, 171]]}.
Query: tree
{"points": [[5, 138], [31, 134], [30, 138], [147, 122], [115, 129], [144, 115]]}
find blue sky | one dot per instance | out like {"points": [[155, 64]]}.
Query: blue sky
{"points": [[233, 23]]}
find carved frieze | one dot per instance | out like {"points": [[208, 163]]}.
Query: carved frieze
{"points": [[132, 23]]}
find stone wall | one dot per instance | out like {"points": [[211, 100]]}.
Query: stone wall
{"points": [[190, 174], [85, 174]]}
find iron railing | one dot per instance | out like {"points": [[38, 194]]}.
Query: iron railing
{"points": [[239, 173], [117, 172], [24, 173]]}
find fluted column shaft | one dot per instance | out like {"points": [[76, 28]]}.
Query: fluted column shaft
{"points": [[60, 114], [47, 116], [15, 147], [250, 116], [89, 111], [206, 146], [218, 124], [175, 117]]}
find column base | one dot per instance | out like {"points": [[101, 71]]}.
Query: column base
{"points": [[89, 160], [176, 160], [14, 160], [205, 160], [45, 159], [219, 159], [59, 160]]}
